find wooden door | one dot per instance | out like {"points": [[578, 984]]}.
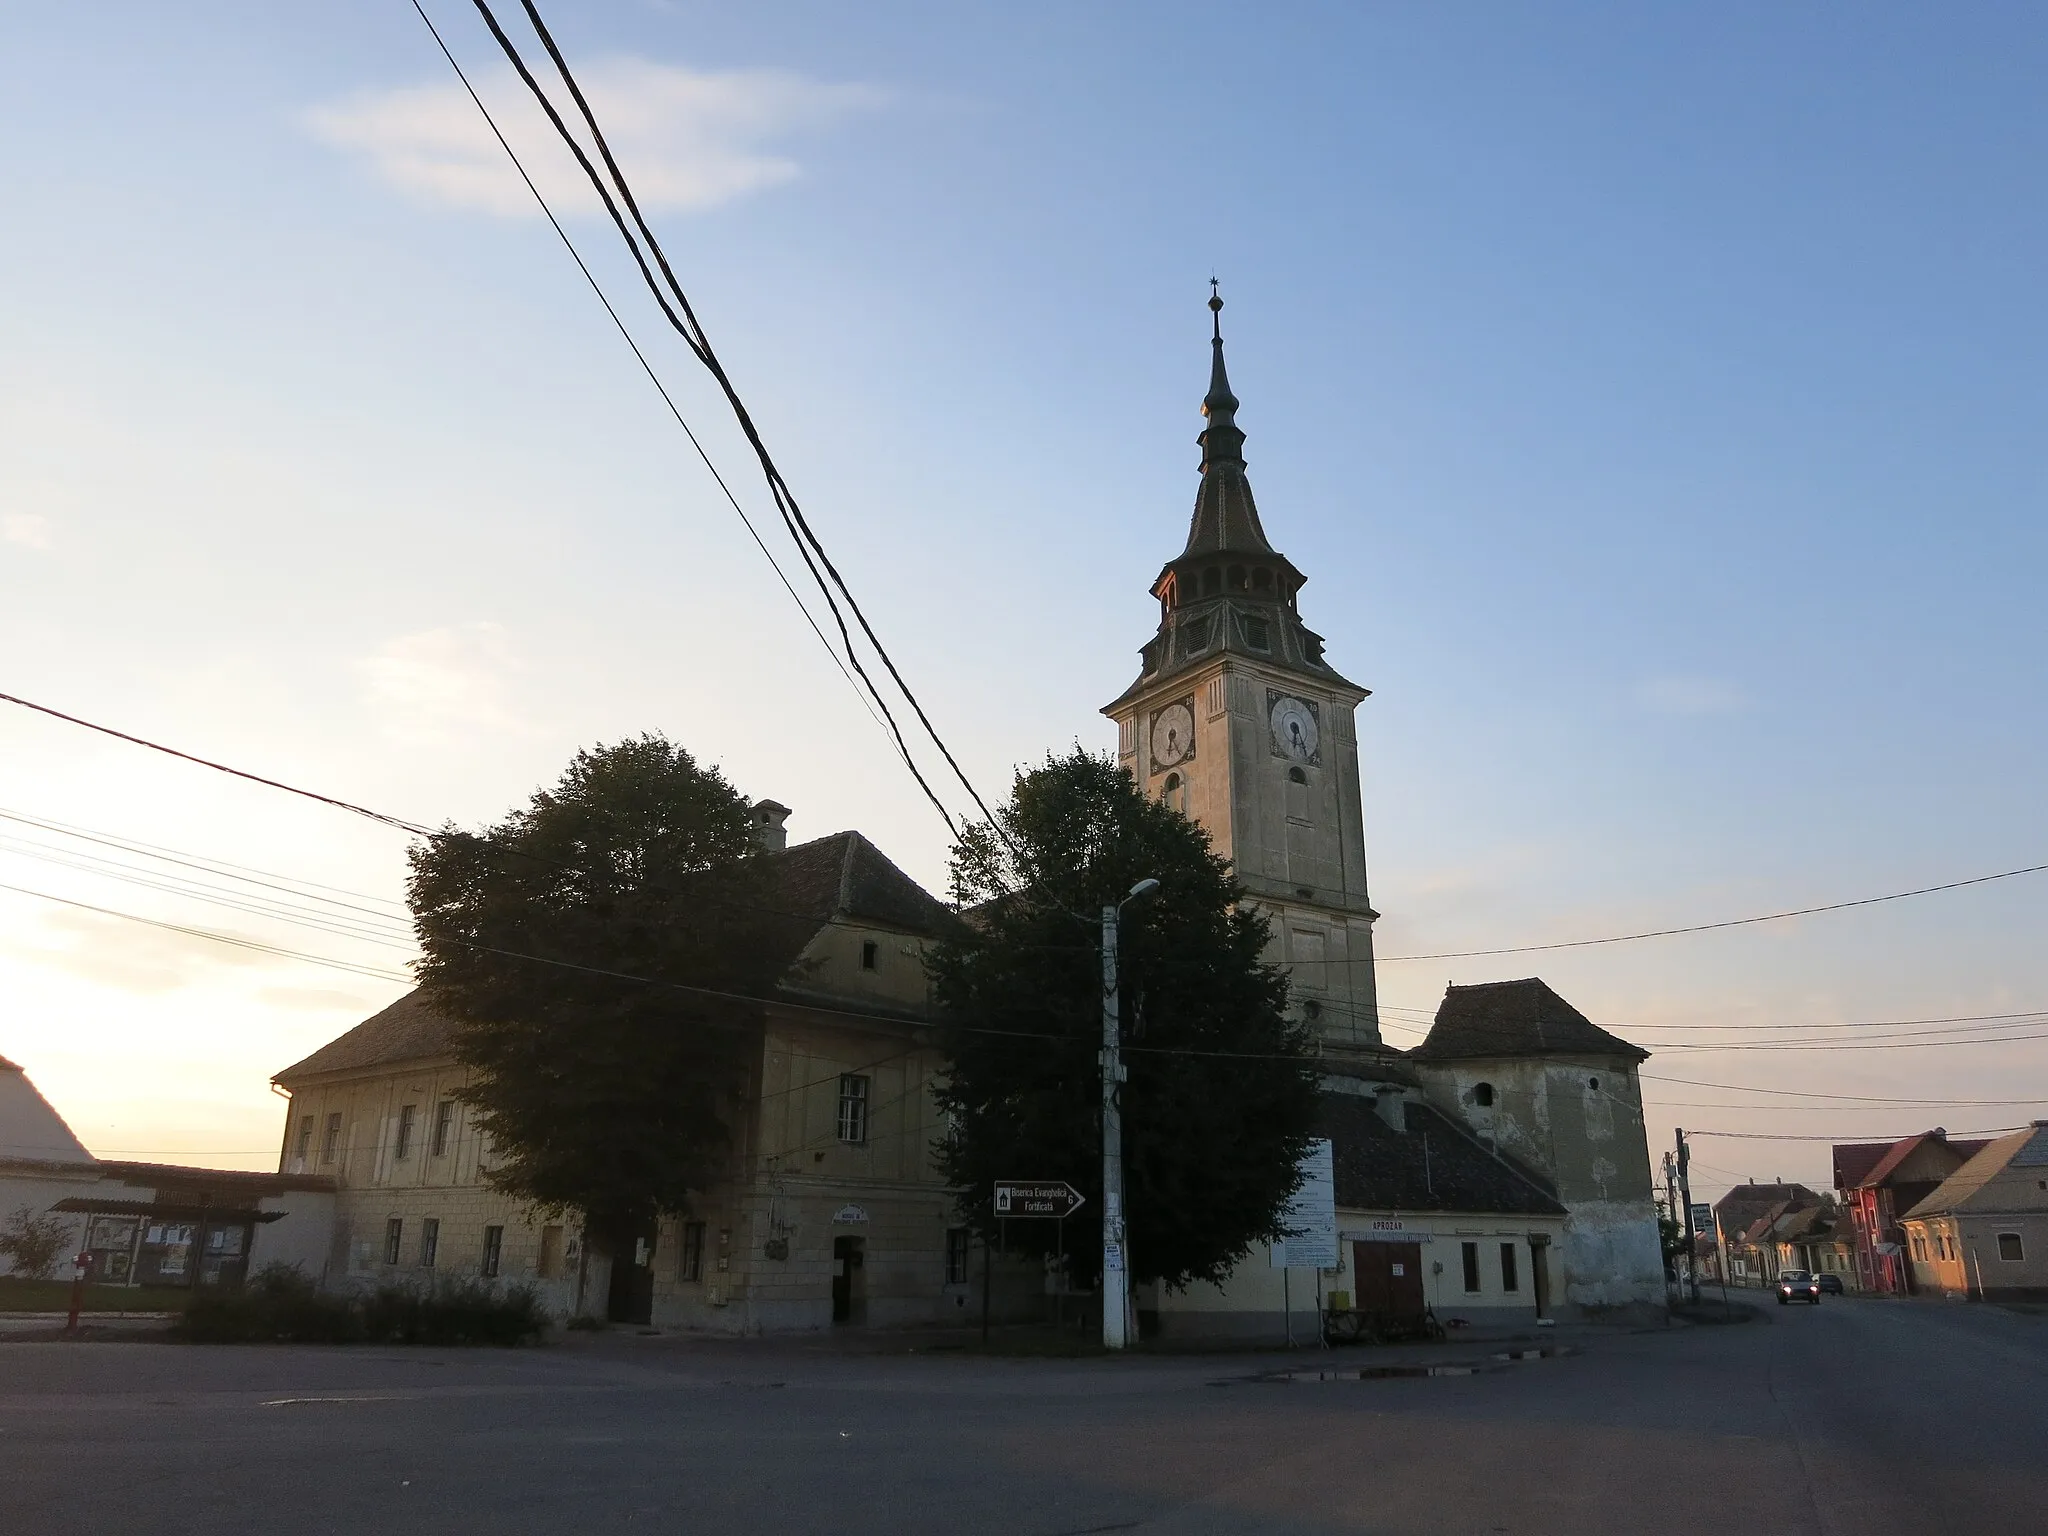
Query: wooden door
{"points": [[1389, 1278]]}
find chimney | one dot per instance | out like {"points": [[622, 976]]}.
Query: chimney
{"points": [[1392, 1104], [770, 836]]}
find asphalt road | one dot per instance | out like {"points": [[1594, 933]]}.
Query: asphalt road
{"points": [[1863, 1417]]}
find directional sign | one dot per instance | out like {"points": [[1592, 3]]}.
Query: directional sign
{"points": [[1702, 1218], [1042, 1197]]}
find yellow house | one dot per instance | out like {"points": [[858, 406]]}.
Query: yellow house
{"points": [[1983, 1233], [835, 1212]]}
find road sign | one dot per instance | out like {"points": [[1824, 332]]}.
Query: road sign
{"points": [[1042, 1197], [1702, 1218]]}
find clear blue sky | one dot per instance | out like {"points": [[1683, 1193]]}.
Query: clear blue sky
{"points": [[1654, 400]]}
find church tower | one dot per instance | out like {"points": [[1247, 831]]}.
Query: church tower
{"points": [[1238, 722]]}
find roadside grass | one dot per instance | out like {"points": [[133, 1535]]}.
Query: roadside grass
{"points": [[55, 1296]]}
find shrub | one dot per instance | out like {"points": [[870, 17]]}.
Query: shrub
{"points": [[35, 1243], [279, 1304]]}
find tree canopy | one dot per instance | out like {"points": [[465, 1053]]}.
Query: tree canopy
{"points": [[1220, 1101], [562, 942]]}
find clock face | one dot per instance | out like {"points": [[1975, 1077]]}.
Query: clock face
{"points": [[1173, 735], [1296, 731]]}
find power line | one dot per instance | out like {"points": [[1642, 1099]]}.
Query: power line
{"points": [[1733, 922], [661, 389], [2002, 1130]]}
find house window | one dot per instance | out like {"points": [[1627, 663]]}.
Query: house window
{"points": [[956, 1255], [330, 1144], [2010, 1248], [1470, 1252], [305, 1138], [853, 1108], [430, 1241], [494, 1249], [1919, 1248], [394, 1238], [1509, 1280], [690, 1258], [870, 954], [406, 1115], [1482, 1095], [444, 1123]]}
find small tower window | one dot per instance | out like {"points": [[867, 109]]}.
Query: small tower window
{"points": [[870, 954], [1296, 776], [1256, 635], [1212, 582], [1262, 580], [1236, 578], [1482, 1095], [1593, 1083], [1174, 792]]}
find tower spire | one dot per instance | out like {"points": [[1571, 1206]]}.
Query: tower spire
{"points": [[1221, 442]]}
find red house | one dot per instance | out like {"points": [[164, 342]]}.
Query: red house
{"points": [[1880, 1181]]}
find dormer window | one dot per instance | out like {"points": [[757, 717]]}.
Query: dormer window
{"points": [[1257, 634]]}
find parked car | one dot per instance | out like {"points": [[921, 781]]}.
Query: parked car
{"points": [[1797, 1285], [1830, 1284]]}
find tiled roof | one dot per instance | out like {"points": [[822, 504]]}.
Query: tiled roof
{"points": [[1743, 1206], [1854, 1160], [842, 877], [2005, 1176], [1515, 1018], [1434, 1165], [1905, 1147]]}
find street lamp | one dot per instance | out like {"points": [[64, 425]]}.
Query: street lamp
{"points": [[1116, 1278]]}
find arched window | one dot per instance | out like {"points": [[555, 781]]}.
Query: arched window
{"points": [[1236, 578], [1174, 792], [1593, 1083], [1262, 580], [1482, 1095], [1212, 582], [1296, 776]]}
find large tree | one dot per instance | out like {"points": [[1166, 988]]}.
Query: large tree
{"points": [[1221, 1095], [576, 945]]}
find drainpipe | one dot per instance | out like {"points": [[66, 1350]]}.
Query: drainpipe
{"points": [[1980, 1272]]}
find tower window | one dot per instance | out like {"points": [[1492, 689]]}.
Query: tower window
{"points": [[1482, 1095], [1262, 580], [1256, 634], [1296, 776], [870, 954], [1212, 582], [1174, 792], [1236, 578], [1593, 1083]]}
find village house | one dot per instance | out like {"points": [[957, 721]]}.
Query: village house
{"points": [[1878, 1182], [1742, 1220], [1983, 1232], [834, 1213]]}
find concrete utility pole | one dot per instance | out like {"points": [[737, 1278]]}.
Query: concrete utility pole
{"points": [[1671, 1205], [1692, 1266], [1116, 1278]]}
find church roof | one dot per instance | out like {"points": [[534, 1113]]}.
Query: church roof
{"points": [[1515, 1018], [841, 878], [1431, 1165]]}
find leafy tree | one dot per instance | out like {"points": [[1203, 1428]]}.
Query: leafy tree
{"points": [[561, 942], [35, 1243], [1211, 1141]]}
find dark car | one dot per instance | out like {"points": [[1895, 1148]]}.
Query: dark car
{"points": [[1797, 1285], [1829, 1284]]}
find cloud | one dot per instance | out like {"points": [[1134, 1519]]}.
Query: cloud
{"points": [[1691, 696], [443, 683], [134, 957], [689, 139], [26, 529]]}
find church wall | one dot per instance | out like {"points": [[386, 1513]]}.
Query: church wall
{"points": [[1589, 1144]]}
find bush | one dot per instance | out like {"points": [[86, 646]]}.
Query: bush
{"points": [[35, 1243], [281, 1305]]}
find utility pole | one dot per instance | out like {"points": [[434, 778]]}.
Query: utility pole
{"points": [[1671, 1205], [1692, 1266], [1116, 1278]]}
